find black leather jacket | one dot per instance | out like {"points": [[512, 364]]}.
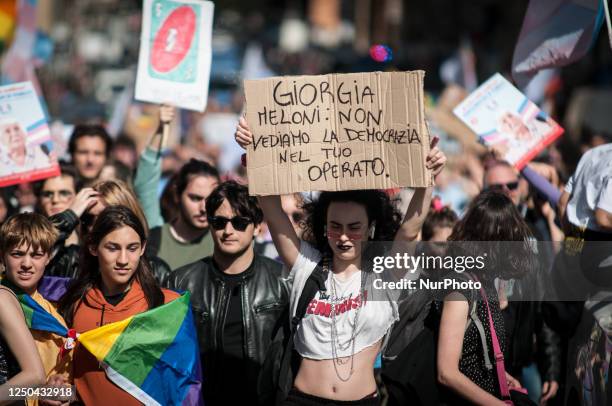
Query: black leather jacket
{"points": [[65, 262], [265, 301]]}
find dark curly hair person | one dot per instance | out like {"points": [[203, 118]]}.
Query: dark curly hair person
{"points": [[341, 334], [384, 220]]}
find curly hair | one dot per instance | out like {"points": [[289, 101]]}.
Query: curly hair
{"points": [[379, 208]]}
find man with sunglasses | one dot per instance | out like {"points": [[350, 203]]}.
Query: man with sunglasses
{"points": [[239, 298], [501, 176]]}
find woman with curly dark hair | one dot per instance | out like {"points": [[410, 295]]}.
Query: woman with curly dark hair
{"points": [[383, 217], [494, 228], [341, 333]]}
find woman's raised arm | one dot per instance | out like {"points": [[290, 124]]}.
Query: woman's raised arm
{"points": [[421, 199], [149, 170], [285, 239]]}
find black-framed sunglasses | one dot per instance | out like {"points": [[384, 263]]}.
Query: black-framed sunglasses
{"points": [[62, 194], [500, 186], [238, 223]]}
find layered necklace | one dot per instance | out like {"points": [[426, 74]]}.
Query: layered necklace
{"points": [[335, 339]]}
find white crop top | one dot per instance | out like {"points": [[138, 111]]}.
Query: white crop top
{"points": [[313, 337]]}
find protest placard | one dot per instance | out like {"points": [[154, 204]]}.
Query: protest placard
{"points": [[175, 53], [504, 119], [26, 148], [337, 132]]}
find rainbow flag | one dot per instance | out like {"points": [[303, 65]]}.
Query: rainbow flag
{"points": [[154, 355], [37, 318]]}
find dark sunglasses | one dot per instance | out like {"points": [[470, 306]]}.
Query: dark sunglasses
{"points": [[500, 186], [238, 223], [62, 194]]}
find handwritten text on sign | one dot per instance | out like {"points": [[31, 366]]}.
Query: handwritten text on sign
{"points": [[337, 132]]}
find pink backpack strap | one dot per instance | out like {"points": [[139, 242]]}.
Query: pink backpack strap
{"points": [[497, 352]]}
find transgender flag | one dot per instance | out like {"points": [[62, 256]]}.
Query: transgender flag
{"points": [[555, 33]]}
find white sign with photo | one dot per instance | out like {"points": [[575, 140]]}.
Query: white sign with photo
{"points": [[508, 121], [26, 147], [175, 53]]}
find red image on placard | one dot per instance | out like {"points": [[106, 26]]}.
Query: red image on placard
{"points": [[173, 40]]}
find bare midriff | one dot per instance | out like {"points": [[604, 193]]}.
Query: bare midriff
{"points": [[319, 378]]}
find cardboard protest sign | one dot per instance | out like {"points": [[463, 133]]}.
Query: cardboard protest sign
{"points": [[337, 132], [505, 119], [26, 148], [175, 53]]}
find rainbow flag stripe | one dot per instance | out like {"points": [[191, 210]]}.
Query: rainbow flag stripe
{"points": [[154, 355], [37, 318]]}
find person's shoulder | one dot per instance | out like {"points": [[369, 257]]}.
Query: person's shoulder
{"points": [[601, 153], [309, 251], [8, 300], [202, 264], [271, 268], [269, 263], [187, 274], [6, 292], [458, 286], [164, 231], [604, 148]]}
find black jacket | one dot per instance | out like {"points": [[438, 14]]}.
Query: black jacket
{"points": [[65, 262], [530, 340], [265, 302], [529, 337]]}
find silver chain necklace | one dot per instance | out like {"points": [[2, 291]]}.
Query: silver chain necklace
{"points": [[335, 342]]}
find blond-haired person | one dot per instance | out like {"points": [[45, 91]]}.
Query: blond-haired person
{"points": [[26, 242]]}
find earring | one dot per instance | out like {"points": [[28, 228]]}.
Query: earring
{"points": [[325, 231], [372, 230]]}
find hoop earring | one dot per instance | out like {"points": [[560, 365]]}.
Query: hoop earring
{"points": [[325, 231]]}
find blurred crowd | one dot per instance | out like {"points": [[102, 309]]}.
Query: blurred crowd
{"points": [[186, 190]]}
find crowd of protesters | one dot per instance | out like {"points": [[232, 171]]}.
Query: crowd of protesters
{"points": [[279, 284]]}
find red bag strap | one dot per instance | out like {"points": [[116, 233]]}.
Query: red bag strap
{"points": [[497, 352]]}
